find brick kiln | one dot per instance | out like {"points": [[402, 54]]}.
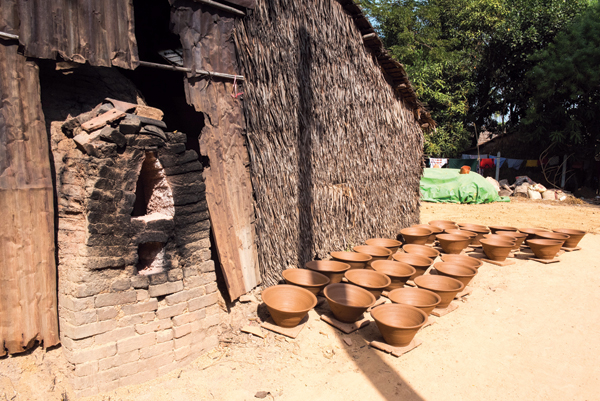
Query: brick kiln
{"points": [[137, 287]]}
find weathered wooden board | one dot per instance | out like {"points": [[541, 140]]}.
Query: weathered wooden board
{"points": [[28, 306]]}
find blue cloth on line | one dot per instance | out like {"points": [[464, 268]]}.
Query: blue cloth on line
{"points": [[514, 163]]}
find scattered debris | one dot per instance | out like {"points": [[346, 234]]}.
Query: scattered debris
{"points": [[348, 341], [261, 394], [253, 330], [247, 298]]}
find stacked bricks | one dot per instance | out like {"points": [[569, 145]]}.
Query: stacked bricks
{"points": [[119, 327]]}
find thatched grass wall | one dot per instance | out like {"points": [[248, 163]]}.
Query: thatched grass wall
{"points": [[335, 155]]}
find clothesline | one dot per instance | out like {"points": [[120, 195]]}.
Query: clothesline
{"points": [[488, 161]]}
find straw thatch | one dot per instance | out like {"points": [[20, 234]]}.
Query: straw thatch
{"points": [[335, 154]]}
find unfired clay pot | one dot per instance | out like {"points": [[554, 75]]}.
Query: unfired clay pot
{"points": [[312, 281], [398, 323], [463, 260], [422, 250], [398, 272], [464, 274], [532, 232], [390, 244], [348, 302], [375, 252], [356, 260], [477, 229], [471, 235], [556, 236], [545, 248], [436, 231], [502, 228], [497, 249], [334, 270], [420, 263], [288, 304], [575, 236], [452, 243], [370, 280], [416, 235], [437, 223], [445, 287], [518, 237], [417, 297]]}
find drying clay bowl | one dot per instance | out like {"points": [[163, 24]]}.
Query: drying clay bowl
{"points": [[472, 236], [436, 231], [497, 249], [463, 260], [452, 243], [375, 252], [518, 237], [348, 302], [477, 229], [398, 323], [422, 250], [417, 297], [398, 272], [502, 228], [416, 235], [370, 280], [532, 232], [390, 244], [445, 287], [557, 236], [334, 270], [308, 279], [439, 223], [288, 304], [464, 274], [545, 248], [420, 263], [356, 260], [576, 236]]}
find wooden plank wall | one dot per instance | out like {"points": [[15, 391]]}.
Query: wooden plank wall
{"points": [[28, 305]]}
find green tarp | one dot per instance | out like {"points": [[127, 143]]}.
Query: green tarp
{"points": [[446, 185]]}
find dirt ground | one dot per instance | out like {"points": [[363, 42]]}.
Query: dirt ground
{"points": [[528, 331]]}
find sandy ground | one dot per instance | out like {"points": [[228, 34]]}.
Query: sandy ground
{"points": [[529, 332]]}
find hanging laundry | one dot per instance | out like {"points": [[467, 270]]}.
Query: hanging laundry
{"points": [[437, 163], [500, 161], [553, 161], [487, 163], [469, 156], [514, 163], [531, 163]]}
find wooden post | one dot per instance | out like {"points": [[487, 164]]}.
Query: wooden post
{"points": [[498, 167]]}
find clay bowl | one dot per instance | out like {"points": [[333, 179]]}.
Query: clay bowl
{"points": [[417, 297], [532, 232], [420, 263], [390, 244], [545, 248], [497, 248], [445, 287], [356, 260], [445, 227], [464, 274], [348, 302], [334, 270], [518, 237], [436, 231], [398, 272], [502, 228], [557, 236], [416, 235], [398, 323], [463, 260], [288, 304], [437, 223], [477, 229], [452, 243], [422, 250], [375, 252], [370, 280], [575, 236], [472, 236], [308, 279]]}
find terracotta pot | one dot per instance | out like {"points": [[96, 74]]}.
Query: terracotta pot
{"points": [[445, 227], [390, 244], [445, 287], [398, 272], [356, 260], [557, 236], [334, 270], [370, 280], [288, 304], [308, 279], [417, 297], [398, 323], [532, 232], [452, 243], [464, 274], [477, 229], [416, 235], [422, 250], [545, 248], [463, 260], [471, 235], [420, 263], [437, 223], [497, 249], [506, 237], [375, 252], [502, 228], [518, 237], [348, 302], [575, 236], [436, 231]]}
